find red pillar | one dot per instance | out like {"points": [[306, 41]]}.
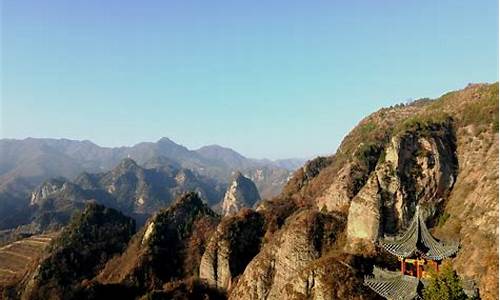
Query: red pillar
{"points": [[417, 264], [403, 266]]}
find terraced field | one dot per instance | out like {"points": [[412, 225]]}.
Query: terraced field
{"points": [[16, 257]]}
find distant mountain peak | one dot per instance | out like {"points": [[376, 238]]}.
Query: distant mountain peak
{"points": [[166, 140], [127, 163], [169, 148]]}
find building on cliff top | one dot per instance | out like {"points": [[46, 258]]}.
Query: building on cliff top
{"points": [[415, 249]]}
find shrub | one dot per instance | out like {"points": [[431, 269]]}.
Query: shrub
{"points": [[444, 285]]}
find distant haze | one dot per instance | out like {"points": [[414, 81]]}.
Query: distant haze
{"points": [[273, 79]]}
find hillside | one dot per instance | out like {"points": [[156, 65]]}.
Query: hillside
{"points": [[136, 191], [168, 249], [17, 257], [79, 253], [428, 152], [317, 239]]}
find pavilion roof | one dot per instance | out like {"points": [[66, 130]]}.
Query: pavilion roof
{"points": [[393, 285], [418, 240]]}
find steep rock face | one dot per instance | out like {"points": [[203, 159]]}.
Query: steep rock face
{"points": [[364, 220], [330, 277], [52, 190], [419, 166], [44, 191], [336, 196], [236, 241], [435, 153], [241, 193], [330, 183], [301, 241], [168, 248], [53, 203], [427, 167]]}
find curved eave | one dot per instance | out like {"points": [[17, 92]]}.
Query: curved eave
{"points": [[417, 234], [436, 250], [400, 287], [445, 251]]}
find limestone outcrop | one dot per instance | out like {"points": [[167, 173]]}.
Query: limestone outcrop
{"points": [[241, 193], [284, 259], [418, 166], [237, 240]]}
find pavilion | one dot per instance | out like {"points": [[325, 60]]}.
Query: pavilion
{"points": [[415, 249]]}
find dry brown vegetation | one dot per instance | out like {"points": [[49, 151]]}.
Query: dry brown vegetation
{"points": [[469, 213], [166, 265], [17, 257]]}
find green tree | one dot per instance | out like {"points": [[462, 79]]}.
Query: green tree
{"points": [[444, 285]]}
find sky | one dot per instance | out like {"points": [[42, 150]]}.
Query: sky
{"points": [[273, 79]]}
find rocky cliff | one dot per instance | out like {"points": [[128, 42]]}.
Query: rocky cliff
{"points": [[317, 239], [433, 153], [236, 241], [418, 165], [303, 260], [241, 193], [436, 153]]}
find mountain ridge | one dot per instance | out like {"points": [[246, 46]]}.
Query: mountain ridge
{"points": [[134, 190], [38, 159], [318, 239]]}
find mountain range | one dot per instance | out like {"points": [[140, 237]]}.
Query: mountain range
{"points": [[33, 160], [317, 239], [80, 168]]}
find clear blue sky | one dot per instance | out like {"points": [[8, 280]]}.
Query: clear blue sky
{"points": [[268, 78]]}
